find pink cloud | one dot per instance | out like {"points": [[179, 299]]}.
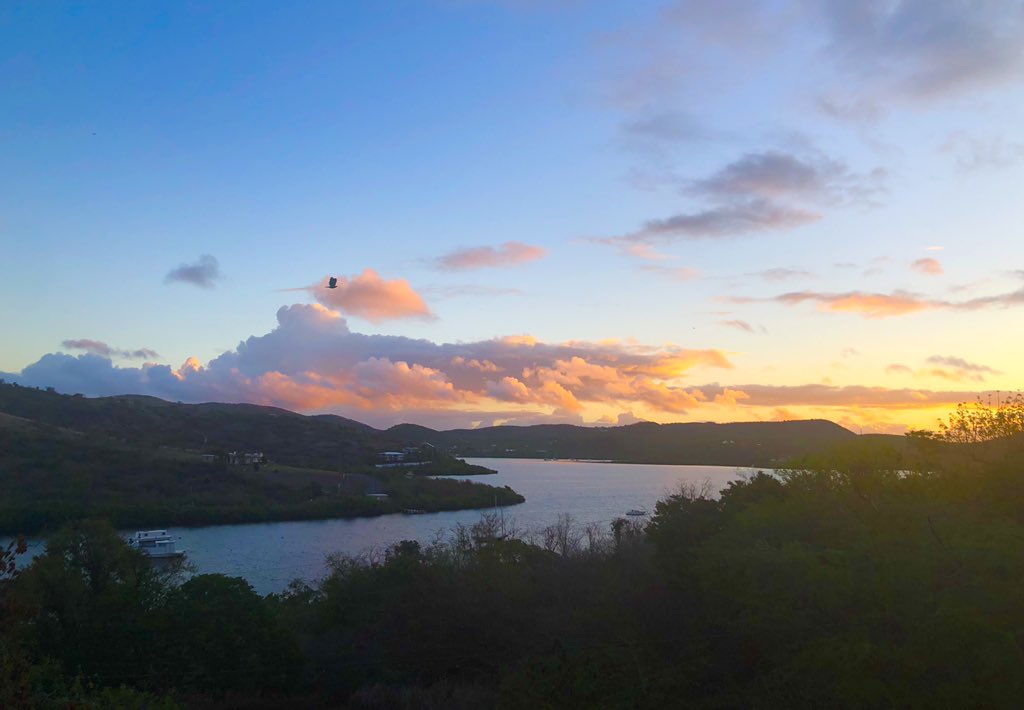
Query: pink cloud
{"points": [[676, 273], [738, 325], [371, 297], [884, 305], [929, 266], [856, 396], [313, 362], [507, 254], [731, 397], [869, 305]]}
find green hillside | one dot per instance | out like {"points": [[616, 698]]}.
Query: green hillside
{"points": [[64, 458]]}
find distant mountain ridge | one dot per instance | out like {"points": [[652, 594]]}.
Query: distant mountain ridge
{"points": [[330, 441], [729, 444]]}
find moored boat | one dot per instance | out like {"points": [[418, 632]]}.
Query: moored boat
{"points": [[155, 543]]}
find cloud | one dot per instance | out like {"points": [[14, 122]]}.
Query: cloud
{"points": [[674, 126], [205, 272], [507, 254], [676, 273], [312, 362], [731, 397], [885, 305], [759, 192], [744, 326], [840, 396], [732, 220], [869, 305], [860, 58], [960, 369], [782, 274], [929, 266], [645, 252], [98, 347], [469, 291], [371, 297], [974, 153], [949, 367], [922, 50], [656, 130], [775, 175]]}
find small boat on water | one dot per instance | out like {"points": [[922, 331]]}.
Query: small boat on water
{"points": [[413, 511], [637, 512], [155, 543]]}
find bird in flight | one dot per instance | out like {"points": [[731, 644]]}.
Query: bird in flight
{"points": [[332, 283]]}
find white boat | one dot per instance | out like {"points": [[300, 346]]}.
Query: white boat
{"points": [[155, 543], [634, 511]]}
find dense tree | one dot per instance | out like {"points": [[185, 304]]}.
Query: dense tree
{"points": [[877, 575], [219, 636]]}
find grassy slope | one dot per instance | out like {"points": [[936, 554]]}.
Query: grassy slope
{"points": [[50, 474]]}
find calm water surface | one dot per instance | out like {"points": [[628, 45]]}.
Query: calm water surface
{"points": [[269, 555]]}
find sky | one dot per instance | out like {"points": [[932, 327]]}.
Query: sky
{"points": [[538, 211]]}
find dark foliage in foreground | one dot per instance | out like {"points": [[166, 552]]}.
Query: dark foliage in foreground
{"points": [[872, 577]]}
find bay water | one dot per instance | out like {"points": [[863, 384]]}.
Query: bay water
{"points": [[270, 555]]}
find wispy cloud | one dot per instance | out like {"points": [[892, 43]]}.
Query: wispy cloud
{"points": [[884, 305], [751, 216], [205, 272], [469, 291], [676, 273], [645, 252], [507, 254], [946, 367], [962, 369], [842, 396], [782, 274], [759, 192], [743, 325], [655, 132], [869, 56], [921, 50], [869, 305], [974, 153], [98, 347], [776, 175]]}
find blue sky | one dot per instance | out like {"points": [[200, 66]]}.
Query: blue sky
{"points": [[790, 200]]}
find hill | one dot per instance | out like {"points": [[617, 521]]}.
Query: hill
{"points": [[332, 442], [125, 459], [735, 444]]}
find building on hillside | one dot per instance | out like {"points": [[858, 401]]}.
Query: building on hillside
{"points": [[244, 458], [392, 456], [423, 452]]}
